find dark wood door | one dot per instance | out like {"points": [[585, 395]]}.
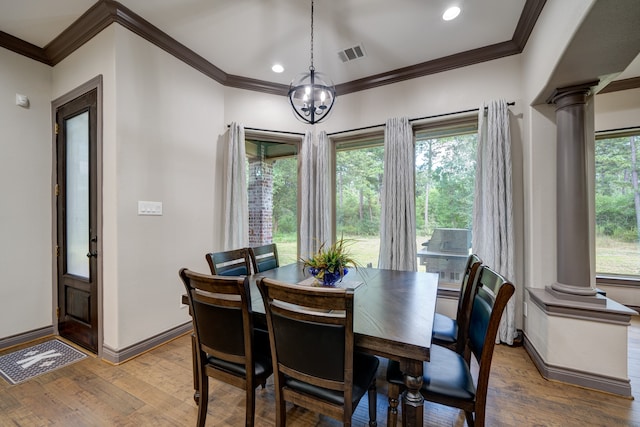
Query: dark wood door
{"points": [[77, 233]]}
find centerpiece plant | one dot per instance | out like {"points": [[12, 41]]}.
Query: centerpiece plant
{"points": [[331, 263]]}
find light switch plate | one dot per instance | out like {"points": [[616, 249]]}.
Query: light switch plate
{"points": [[149, 208]]}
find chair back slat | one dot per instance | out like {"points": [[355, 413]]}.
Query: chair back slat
{"points": [[264, 257], [229, 263]]}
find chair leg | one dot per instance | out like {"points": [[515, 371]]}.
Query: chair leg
{"points": [[392, 412], [251, 406], [281, 410], [373, 404], [470, 422], [204, 399], [194, 360]]}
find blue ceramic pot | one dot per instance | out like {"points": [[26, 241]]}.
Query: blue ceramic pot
{"points": [[328, 278]]}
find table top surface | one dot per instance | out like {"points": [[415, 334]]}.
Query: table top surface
{"points": [[393, 310]]}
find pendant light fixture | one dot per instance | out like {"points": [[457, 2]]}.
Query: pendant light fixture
{"points": [[312, 94]]}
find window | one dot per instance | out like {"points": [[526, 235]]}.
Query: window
{"points": [[445, 181], [359, 164], [272, 185], [617, 200]]}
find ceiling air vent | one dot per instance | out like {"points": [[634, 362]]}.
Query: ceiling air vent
{"points": [[351, 53]]}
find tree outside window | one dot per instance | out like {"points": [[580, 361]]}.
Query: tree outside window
{"points": [[445, 182], [617, 200]]}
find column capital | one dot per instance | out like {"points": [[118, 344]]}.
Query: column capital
{"points": [[570, 95]]}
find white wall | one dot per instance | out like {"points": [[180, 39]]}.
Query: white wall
{"points": [[455, 90], [169, 118], [25, 184], [161, 125], [617, 110]]}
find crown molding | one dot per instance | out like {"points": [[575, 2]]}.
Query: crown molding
{"points": [[105, 12], [446, 63], [614, 86], [23, 48]]}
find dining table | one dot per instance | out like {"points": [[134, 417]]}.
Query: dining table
{"points": [[393, 318]]}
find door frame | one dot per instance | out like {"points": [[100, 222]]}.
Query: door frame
{"points": [[95, 83]]}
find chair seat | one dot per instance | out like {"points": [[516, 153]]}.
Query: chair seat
{"points": [[364, 371], [262, 366], [261, 358], [446, 374], [445, 329]]}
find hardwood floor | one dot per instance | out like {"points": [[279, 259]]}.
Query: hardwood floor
{"points": [[155, 389]]}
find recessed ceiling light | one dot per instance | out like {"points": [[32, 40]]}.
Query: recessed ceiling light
{"points": [[277, 68], [451, 13]]}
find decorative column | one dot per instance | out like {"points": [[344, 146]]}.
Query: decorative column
{"points": [[570, 329], [573, 230]]}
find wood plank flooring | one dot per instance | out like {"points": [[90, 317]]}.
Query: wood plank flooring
{"points": [[155, 389]]}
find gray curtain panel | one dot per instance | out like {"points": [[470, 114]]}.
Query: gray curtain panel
{"points": [[398, 217], [493, 237]]}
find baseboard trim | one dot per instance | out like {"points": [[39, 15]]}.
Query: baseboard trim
{"points": [[26, 337], [120, 356], [578, 378]]}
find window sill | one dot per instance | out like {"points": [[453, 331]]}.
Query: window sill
{"points": [[613, 280], [449, 293]]}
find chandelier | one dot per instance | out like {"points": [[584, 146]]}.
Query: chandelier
{"points": [[312, 94]]}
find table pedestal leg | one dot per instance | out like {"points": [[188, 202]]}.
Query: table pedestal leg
{"points": [[412, 400]]}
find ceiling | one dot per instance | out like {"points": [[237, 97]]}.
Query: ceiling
{"points": [[245, 38]]}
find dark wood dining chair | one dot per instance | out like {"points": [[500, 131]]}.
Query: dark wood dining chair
{"points": [[448, 379], [312, 343], [449, 332], [264, 257], [229, 263], [227, 347]]}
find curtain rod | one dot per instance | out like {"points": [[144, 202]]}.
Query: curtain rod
{"points": [[618, 129], [413, 120], [273, 131]]}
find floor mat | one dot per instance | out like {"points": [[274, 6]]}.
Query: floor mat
{"points": [[22, 365]]}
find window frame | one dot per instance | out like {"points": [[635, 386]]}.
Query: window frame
{"points": [[613, 279], [462, 124], [258, 136]]}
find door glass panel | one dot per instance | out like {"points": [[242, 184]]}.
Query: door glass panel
{"points": [[77, 192]]}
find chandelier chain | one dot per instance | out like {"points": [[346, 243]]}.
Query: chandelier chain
{"points": [[311, 66]]}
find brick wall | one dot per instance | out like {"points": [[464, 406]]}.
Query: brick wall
{"points": [[260, 183]]}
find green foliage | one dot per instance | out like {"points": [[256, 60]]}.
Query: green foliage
{"points": [[446, 168], [358, 186], [285, 195], [616, 186], [615, 212], [332, 259]]}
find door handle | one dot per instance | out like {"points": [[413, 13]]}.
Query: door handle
{"points": [[92, 254]]}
